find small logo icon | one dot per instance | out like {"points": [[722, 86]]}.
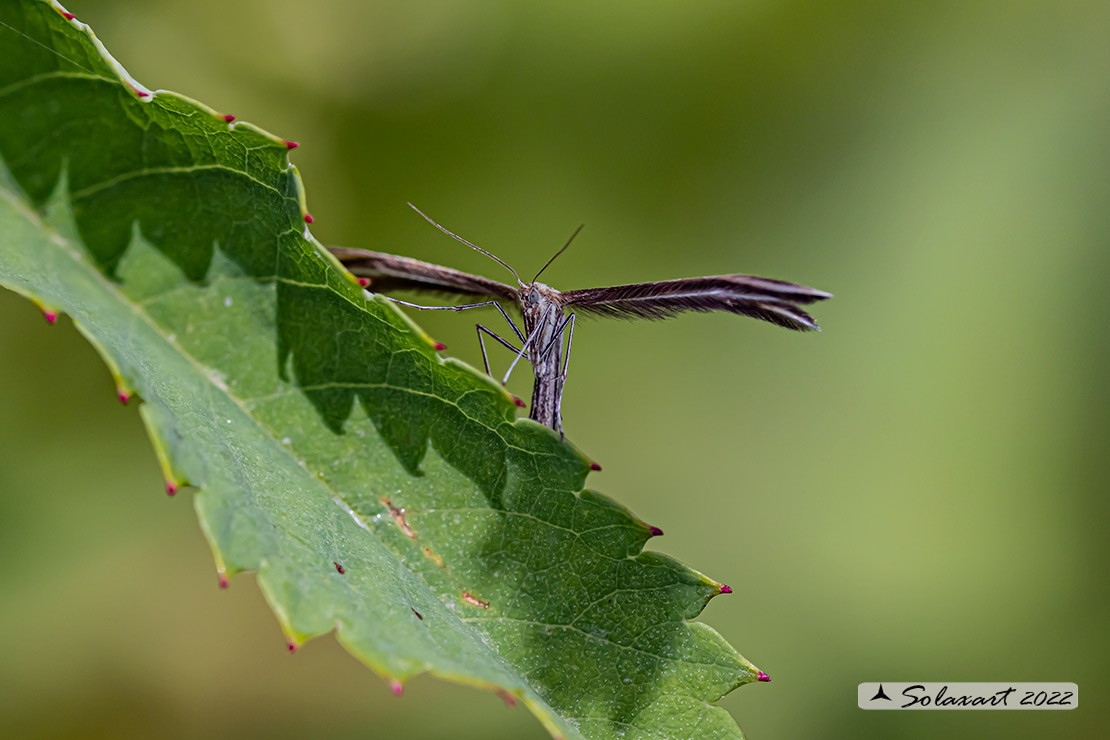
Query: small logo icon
{"points": [[880, 694]]}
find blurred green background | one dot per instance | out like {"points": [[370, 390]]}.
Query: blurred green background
{"points": [[918, 493]]}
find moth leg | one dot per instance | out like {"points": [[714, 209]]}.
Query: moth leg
{"points": [[446, 308], [522, 352], [555, 340], [563, 375], [482, 344], [570, 340], [510, 322]]}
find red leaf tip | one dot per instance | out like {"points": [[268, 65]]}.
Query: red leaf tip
{"points": [[142, 94], [291, 145], [123, 396], [656, 532], [726, 589], [50, 316], [440, 346], [364, 282], [171, 488], [518, 402], [595, 466], [67, 15], [308, 218], [229, 118], [292, 646], [223, 587], [396, 687], [509, 699], [763, 677]]}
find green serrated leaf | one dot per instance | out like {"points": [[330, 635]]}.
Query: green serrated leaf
{"points": [[378, 491]]}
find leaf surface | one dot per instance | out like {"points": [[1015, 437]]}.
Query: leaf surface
{"points": [[377, 490]]}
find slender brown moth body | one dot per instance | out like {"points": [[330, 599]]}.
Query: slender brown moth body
{"points": [[544, 309]]}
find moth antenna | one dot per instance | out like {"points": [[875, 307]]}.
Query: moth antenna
{"points": [[492, 256], [537, 277]]}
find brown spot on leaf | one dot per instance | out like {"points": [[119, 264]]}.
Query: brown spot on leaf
{"points": [[399, 517], [339, 568], [474, 601], [433, 557], [418, 614]]}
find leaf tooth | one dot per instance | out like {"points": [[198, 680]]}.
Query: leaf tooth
{"points": [[715, 589], [396, 687], [174, 481], [437, 346], [291, 144], [509, 699], [293, 638], [308, 218], [224, 575], [175, 484], [655, 531], [228, 117], [594, 466], [124, 389], [761, 676], [50, 313]]}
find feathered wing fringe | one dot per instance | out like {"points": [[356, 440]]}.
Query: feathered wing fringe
{"points": [[390, 272], [775, 301]]}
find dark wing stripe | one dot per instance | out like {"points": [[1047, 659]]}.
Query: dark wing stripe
{"points": [[775, 301], [390, 272]]}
